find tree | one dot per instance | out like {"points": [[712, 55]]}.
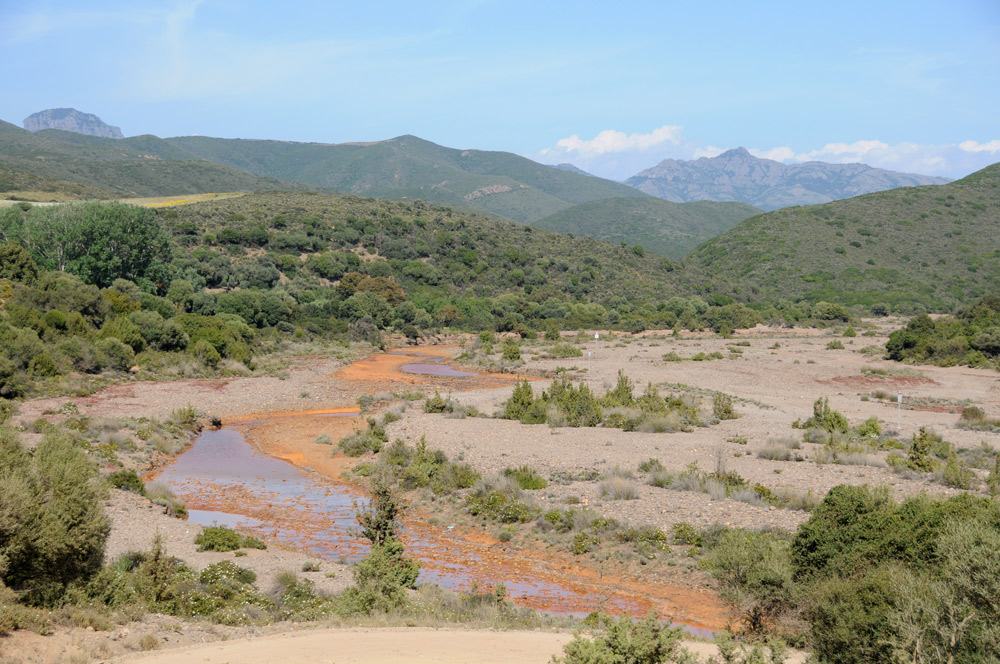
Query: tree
{"points": [[52, 525], [98, 242], [16, 264]]}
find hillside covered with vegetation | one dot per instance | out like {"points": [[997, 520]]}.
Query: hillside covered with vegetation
{"points": [[123, 168], [212, 287], [922, 247], [665, 228], [18, 185]]}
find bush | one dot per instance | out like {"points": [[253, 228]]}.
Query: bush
{"points": [[127, 480], [754, 575], [435, 404], [643, 642], [499, 502], [722, 407], [825, 418], [221, 538], [52, 524], [526, 477], [206, 352]]}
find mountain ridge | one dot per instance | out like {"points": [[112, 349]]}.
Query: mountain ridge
{"points": [[70, 119], [736, 175]]}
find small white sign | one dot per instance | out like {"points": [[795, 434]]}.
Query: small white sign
{"points": [[597, 335], [899, 398]]}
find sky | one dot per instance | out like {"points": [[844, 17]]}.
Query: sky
{"points": [[611, 87]]}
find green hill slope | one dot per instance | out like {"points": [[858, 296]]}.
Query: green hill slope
{"points": [[668, 229], [122, 166], [408, 167], [17, 185], [934, 247], [436, 253]]}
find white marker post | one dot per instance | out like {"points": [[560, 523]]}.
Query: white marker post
{"points": [[899, 409], [597, 336]]}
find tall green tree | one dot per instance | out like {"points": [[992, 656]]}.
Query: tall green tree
{"points": [[98, 242]]}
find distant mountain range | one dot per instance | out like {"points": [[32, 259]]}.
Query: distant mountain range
{"points": [[403, 168], [70, 119], [736, 175]]}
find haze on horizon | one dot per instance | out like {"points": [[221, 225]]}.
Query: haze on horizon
{"points": [[613, 89]]}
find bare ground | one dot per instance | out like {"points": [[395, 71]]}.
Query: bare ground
{"points": [[774, 381]]}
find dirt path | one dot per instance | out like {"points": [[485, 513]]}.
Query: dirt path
{"points": [[371, 646]]}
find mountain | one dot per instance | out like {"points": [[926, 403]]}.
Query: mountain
{"points": [[411, 168], [124, 166], [70, 119], [736, 175], [932, 246], [572, 169], [668, 229]]}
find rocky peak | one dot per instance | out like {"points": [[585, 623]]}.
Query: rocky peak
{"points": [[70, 119]]}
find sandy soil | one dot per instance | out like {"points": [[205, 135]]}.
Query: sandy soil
{"points": [[774, 381]]}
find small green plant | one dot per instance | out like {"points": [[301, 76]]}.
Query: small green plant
{"points": [[526, 478], [221, 538], [919, 457], [824, 418], [650, 466], [722, 407], [685, 533], [435, 404], [836, 344], [511, 351], [127, 480]]}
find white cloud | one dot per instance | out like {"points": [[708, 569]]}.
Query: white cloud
{"points": [[610, 140], [783, 153], [617, 155], [973, 146], [710, 151]]}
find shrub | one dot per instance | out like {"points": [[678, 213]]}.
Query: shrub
{"points": [[650, 466], [127, 480], [836, 344], [564, 350], [643, 642], [849, 618], [115, 355], [526, 477], [825, 418], [511, 351], [685, 533], [920, 447], [53, 524], [6, 410], [221, 538], [619, 488], [435, 404], [754, 575], [499, 502], [722, 407], [206, 352]]}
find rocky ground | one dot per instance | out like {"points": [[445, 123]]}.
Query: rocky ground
{"points": [[774, 381]]}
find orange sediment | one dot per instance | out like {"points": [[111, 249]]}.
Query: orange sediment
{"points": [[541, 579]]}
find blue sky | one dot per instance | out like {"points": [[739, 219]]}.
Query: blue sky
{"points": [[612, 87]]}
